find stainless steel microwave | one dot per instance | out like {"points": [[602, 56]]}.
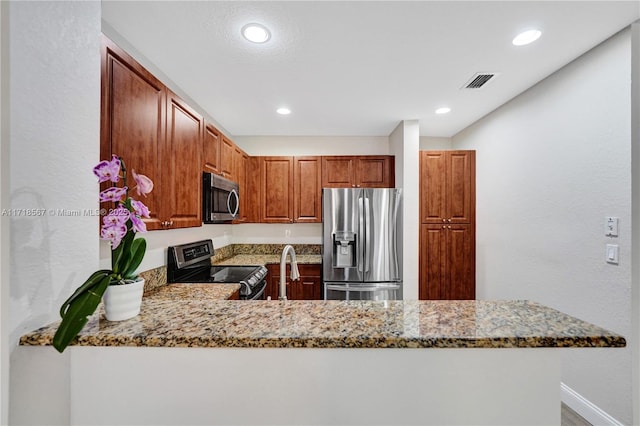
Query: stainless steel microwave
{"points": [[220, 199]]}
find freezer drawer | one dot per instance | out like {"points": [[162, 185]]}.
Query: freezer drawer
{"points": [[363, 291]]}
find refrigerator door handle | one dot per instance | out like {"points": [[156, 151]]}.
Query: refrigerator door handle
{"points": [[338, 287], [361, 238], [367, 235]]}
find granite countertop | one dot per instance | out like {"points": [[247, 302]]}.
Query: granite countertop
{"points": [[264, 259], [192, 316]]}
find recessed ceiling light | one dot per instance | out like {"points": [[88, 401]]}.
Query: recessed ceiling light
{"points": [[443, 110], [283, 111], [256, 33], [526, 37]]}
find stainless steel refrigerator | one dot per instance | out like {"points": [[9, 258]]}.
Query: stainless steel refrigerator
{"points": [[362, 243]]}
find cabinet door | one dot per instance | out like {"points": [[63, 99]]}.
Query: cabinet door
{"points": [[276, 183], [211, 149], [308, 287], [461, 190], [433, 262], [375, 172], [133, 120], [183, 150], [461, 262], [433, 187], [240, 167], [273, 281], [252, 196], [307, 193], [338, 172], [227, 150], [447, 262]]}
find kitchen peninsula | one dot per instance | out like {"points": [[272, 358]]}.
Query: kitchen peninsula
{"points": [[190, 358]]}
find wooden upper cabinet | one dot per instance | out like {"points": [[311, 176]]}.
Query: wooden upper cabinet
{"points": [[338, 172], [307, 192], [375, 172], [276, 181], [241, 163], [211, 149], [252, 194], [132, 124], [227, 158], [183, 150], [354, 171], [156, 134], [447, 186]]}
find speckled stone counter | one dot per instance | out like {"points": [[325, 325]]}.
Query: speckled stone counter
{"points": [[264, 259], [189, 315]]}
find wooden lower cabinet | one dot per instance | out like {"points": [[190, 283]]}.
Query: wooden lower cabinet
{"points": [[447, 262], [309, 287]]}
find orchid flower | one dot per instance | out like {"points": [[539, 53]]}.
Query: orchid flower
{"points": [[140, 208], [118, 216], [113, 194], [115, 234], [108, 170], [144, 185], [137, 224]]}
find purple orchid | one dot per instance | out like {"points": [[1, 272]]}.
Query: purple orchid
{"points": [[113, 194], [108, 170], [114, 233], [127, 215], [137, 224], [117, 216], [139, 208], [144, 185]]}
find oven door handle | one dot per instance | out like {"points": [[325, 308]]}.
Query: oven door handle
{"points": [[233, 193], [261, 292]]}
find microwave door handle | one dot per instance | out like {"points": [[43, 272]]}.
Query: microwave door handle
{"points": [[234, 194]]}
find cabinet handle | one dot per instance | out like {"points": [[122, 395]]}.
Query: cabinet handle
{"points": [[449, 220], [171, 223], [449, 227], [444, 227], [444, 220]]}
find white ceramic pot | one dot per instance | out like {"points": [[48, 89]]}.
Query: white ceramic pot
{"points": [[122, 301]]}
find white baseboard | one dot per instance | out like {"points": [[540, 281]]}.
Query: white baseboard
{"points": [[585, 408]]}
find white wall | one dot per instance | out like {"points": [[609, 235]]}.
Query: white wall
{"points": [[430, 143], [551, 165], [54, 143], [4, 220], [635, 197], [404, 142], [313, 145], [55, 128]]}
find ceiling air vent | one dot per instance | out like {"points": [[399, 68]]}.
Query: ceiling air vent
{"points": [[479, 80]]}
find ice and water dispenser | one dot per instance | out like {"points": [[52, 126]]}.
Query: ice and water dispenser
{"points": [[344, 249]]}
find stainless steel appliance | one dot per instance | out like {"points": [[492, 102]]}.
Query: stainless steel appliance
{"points": [[220, 199], [362, 243], [191, 263]]}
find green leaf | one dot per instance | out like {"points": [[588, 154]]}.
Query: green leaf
{"points": [[79, 310], [92, 281], [138, 247], [120, 256]]}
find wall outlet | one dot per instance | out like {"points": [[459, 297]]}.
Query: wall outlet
{"points": [[611, 226]]}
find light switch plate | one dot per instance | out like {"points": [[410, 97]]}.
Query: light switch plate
{"points": [[612, 254], [611, 226]]}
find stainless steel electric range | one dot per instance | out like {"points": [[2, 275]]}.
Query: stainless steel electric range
{"points": [[191, 263]]}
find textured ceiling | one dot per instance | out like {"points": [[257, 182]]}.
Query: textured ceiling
{"points": [[358, 68]]}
